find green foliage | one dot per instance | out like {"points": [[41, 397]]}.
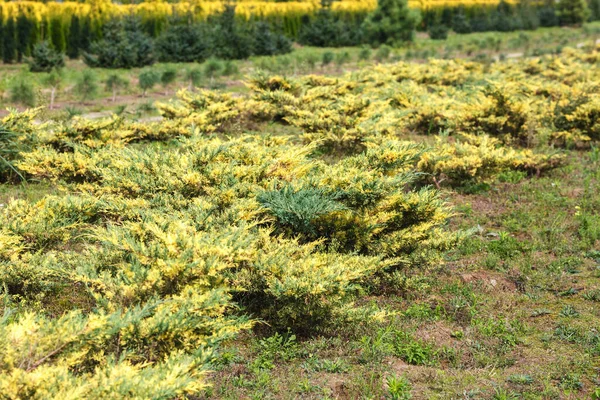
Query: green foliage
{"points": [[383, 53], [295, 210], [231, 40], [460, 23], [335, 366], [569, 311], [284, 292], [212, 67], [66, 351], [365, 54], [25, 30], [282, 347], [57, 35], [547, 16], [267, 42], [521, 379], [223, 36], [413, 351], [113, 83], [14, 129], [571, 381], [194, 76], [324, 29], [182, 43], [572, 12], [398, 388], [230, 68], [592, 295], [168, 76], [9, 51], [327, 58], [438, 32], [23, 92], [589, 225], [1, 36], [503, 18], [87, 35], [74, 40], [376, 346], [54, 79], [86, 86], [504, 394], [391, 23], [124, 45], [147, 79], [45, 58], [342, 58]]}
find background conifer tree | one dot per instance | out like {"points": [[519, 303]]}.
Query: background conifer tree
{"points": [[45, 58], [572, 12], [23, 35], [391, 23], [230, 39], [85, 38], [74, 38], [57, 35], [9, 52], [1, 37]]}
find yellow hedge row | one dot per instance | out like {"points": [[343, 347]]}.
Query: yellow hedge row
{"points": [[101, 9]]}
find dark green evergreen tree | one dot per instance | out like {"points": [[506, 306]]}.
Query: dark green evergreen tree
{"points": [[182, 43], [230, 39], [267, 42], [57, 35], [438, 31], [34, 34], [547, 16], [594, 9], [45, 58], [124, 45], [527, 15], [480, 22], [503, 18], [74, 38], [24, 28], [460, 22], [572, 12], [392, 23], [326, 30], [283, 44], [1, 37], [153, 26], [9, 51], [446, 16], [85, 40]]}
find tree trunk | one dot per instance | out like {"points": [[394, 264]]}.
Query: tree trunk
{"points": [[52, 96]]}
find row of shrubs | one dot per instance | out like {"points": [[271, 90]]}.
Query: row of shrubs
{"points": [[509, 17], [326, 29], [125, 44], [131, 42]]}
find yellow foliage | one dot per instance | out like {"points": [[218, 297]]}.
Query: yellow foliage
{"points": [[100, 10]]}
